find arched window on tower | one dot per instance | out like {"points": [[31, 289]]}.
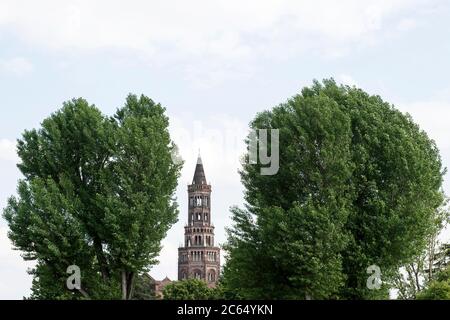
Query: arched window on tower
{"points": [[211, 276]]}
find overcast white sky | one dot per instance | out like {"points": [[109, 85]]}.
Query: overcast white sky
{"points": [[213, 65]]}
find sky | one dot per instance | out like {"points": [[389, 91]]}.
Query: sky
{"points": [[213, 65]]}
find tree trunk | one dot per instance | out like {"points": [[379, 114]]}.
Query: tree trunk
{"points": [[101, 259], [124, 285], [130, 285], [431, 253], [127, 285]]}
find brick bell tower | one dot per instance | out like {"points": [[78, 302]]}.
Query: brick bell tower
{"points": [[199, 258]]}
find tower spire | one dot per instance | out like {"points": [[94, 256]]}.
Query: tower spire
{"points": [[199, 158], [199, 174]]}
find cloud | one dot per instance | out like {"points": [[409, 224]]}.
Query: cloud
{"points": [[407, 24], [17, 66], [168, 261], [223, 30], [347, 80], [220, 138], [9, 172], [8, 150], [432, 116], [207, 74], [209, 42], [15, 282]]}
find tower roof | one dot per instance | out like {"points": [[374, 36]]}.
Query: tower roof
{"points": [[199, 175]]}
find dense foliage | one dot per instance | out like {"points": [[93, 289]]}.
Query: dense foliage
{"points": [[438, 289], [97, 193], [191, 289], [357, 186], [417, 275]]}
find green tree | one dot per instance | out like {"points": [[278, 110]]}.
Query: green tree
{"points": [[416, 276], [144, 288], [357, 186], [438, 289], [191, 289], [97, 193]]}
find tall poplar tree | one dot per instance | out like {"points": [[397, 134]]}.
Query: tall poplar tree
{"points": [[98, 193], [358, 185]]}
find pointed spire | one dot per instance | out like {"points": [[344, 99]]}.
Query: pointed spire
{"points": [[199, 175], [199, 158]]}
